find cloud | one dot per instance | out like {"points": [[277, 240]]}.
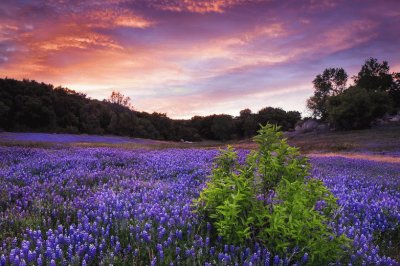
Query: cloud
{"points": [[194, 57], [199, 6], [116, 17], [81, 41]]}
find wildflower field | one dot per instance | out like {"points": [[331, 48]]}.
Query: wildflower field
{"points": [[101, 206]]}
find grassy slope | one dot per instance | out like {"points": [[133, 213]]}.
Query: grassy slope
{"points": [[378, 140]]}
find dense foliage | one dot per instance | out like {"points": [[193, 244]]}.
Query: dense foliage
{"points": [[330, 83], [267, 200], [357, 107], [375, 92], [74, 206], [31, 106]]}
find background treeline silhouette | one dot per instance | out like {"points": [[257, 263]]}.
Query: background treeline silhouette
{"points": [[375, 92], [31, 106]]}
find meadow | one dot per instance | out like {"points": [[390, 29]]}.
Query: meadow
{"points": [[66, 205]]}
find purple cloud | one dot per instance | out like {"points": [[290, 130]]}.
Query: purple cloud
{"points": [[186, 58]]}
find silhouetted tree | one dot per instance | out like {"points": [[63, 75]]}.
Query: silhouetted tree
{"points": [[31, 106], [120, 99], [394, 91], [222, 127], [331, 82], [292, 117], [245, 113], [90, 118], [374, 76], [356, 107], [67, 107], [247, 123]]}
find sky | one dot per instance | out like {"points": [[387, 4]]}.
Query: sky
{"points": [[195, 57]]}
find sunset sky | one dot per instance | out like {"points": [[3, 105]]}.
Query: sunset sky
{"points": [[188, 57]]}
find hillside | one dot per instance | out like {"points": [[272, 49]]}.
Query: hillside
{"points": [[30, 106], [377, 141]]}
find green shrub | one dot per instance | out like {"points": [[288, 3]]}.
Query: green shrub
{"points": [[269, 200], [275, 159], [228, 200], [357, 107], [300, 219]]}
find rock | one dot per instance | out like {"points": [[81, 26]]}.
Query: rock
{"points": [[387, 120], [311, 125], [395, 118], [297, 128]]}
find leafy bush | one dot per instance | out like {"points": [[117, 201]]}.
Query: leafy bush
{"points": [[268, 200], [275, 159], [357, 107], [300, 221], [228, 200]]}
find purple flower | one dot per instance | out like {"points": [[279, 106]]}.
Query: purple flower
{"points": [[305, 257], [153, 261], [90, 200], [212, 251], [276, 260]]}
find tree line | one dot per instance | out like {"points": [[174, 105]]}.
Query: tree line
{"points": [[375, 93], [27, 105]]}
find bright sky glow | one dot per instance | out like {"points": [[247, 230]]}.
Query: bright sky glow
{"points": [[195, 57]]}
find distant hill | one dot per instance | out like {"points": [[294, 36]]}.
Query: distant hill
{"points": [[30, 106]]}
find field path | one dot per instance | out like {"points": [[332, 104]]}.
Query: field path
{"points": [[363, 156]]}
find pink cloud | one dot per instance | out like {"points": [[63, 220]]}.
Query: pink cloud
{"points": [[199, 6], [211, 55], [116, 17]]}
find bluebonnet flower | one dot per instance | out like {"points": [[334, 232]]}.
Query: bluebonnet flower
{"points": [[92, 251], [276, 260], [305, 257], [154, 190], [212, 251], [190, 252]]}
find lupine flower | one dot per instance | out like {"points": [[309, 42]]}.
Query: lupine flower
{"points": [[276, 260], [83, 200], [305, 257]]}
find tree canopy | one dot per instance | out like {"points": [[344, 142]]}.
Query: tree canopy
{"points": [[330, 83], [118, 98], [28, 105], [375, 92], [374, 76]]}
